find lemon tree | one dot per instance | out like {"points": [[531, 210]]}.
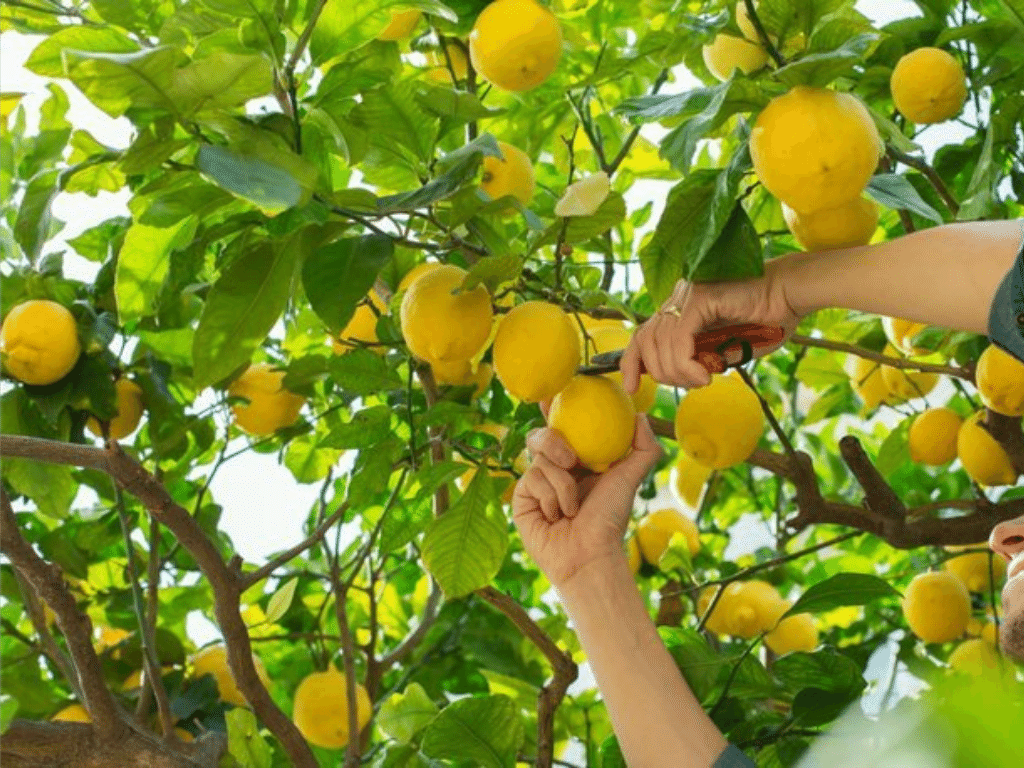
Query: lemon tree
{"points": [[317, 271]]}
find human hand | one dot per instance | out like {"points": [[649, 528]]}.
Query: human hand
{"points": [[664, 345], [568, 516]]}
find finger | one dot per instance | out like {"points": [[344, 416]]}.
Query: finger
{"points": [[539, 487], [630, 362], [645, 454], [648, 339], [563, 484], [666, 351], [550, 444]]}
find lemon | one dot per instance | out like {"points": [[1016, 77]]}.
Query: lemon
{"points": [[270, 407], [867, 381], [814, 148], [135, 680], [110, 636], [690, 478], [214, 661], [439, 71], [900, 332], [1000, 378], [972, 569], [727, 53], [597, 419], [745, 24], [656, 529], [717, 621], [39, 342], [515, 44], [990, 633], [975, 657], [611, 339], [510, 174], [932, 436], [593, 323], [928, 86], [756, 607], [401, 25], [536, 351], [361, 328], [128, 411], [905, 384], [984, 459], [633, 555], [410, 277], [844, 226], [937, 606], [460, 373], [442, 322], [584, 197], [794, 633], [73, 713], [720, 425], [320, 710], [184, 735]]}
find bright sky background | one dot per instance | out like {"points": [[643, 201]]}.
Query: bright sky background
{"points": [[263, 505]]}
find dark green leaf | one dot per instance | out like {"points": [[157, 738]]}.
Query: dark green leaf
{"points": [[492, 271], [338, 275], [32, 226], [367, 426], [362, 372], [820, 69], [895, 191], [272, 188], [842, 589], [735, 255], [484, 731]]}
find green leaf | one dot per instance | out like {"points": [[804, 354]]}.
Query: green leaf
{"points": [[308, 459], [896, 192], [842, 589], [483, 730], [820, 69], [338, 275], [242, 307], [404, 523], [456, 107], [362, 372], [981, 192], [581, 228], [8, 709], [492, 271], [433, 476], [143, 264], [271, 188], [827, 669], [281, 601], [47, 57], [697, 661], [1015, 9], [819, 369], [372, 472], [343, 27], [366, 427], [396, 121], [735, 255], [222, 80], [32, 226], [403, 715], [611, 754], [117, 82], [894, 451], [245, 743], [464, 548]]}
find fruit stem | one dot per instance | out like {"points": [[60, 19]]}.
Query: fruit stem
{"points": [[755, 20]]}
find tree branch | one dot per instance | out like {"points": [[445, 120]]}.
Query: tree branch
{"points": [[1006, 430], [766, 41], [412, 641], [894, 362], [929, 173]]}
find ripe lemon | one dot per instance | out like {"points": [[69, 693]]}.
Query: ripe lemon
{"points": [[972, 569], [1000, 378], [536, 351], [611, 339], [110, 636], [814, 148], [928, 86], [905, 384], [745, 24], [984, 459], [39, 342], [932, 436], [844, 226], [656, 529], [460, 373], [442, 322], [593, 323], [867, 381], [129, 411], [756, 608], [720, 425], [690, 478], [975, 657], [410, 277], [937, 606], [990, 633], [214, 661], [717, 621], [439, 71], [401, 25], [900, 332], [270, 407], [73, 713], [320, 710], [727, 53], [633, 555], [515, 44], [362, 327], [794, 633], [597, 419], [510, 174]]}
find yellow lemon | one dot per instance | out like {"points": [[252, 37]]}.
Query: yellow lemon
{"points": [[745, 24], [110, 636], [814, 148], [128, 411], [928, 86], [990, 633], [270, 407], [320, 710], [972, 569], [656, 529], [720, 425], [184, 735], [510, 174], [529, 369], [717, 621], [932, 436], [1000, 378], [794, 633], [610, 339], [633, 555], [442, 322], [515, 44], [937, 606], [756, 608], [460, 373], [401, 25], [361, 328], [844, 226], [975, 657], [690, 478], [73, 713], [867, 381], [39, 342], [904, 384], [214, 661], [725, 54], [439, 71], [593, 323], [984, 459], [135, 680], [901, 332], [597, 419], [410, 277]]}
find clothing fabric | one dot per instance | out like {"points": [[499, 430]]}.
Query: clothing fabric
{"points": [[1006, 317], [733, 758]]}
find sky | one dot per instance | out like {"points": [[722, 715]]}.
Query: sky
{"points": [[263, 505]]}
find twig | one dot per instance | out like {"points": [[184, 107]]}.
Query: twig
{"points": [[929, 173], [779, 431], [766, 41], [627, 145], [303, 41], [894, 362]]}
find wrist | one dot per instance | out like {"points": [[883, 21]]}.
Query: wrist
{"points": [[595, 576], [810, 281]]}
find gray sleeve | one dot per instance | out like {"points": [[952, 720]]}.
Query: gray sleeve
{"points": [[733, 758], [1006, 317]]}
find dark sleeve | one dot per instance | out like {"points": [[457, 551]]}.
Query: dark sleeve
{"points": [[733, 758], [1006, 317]]}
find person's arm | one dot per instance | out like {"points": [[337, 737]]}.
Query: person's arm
{"points": [[659, 722], [944, 276]]}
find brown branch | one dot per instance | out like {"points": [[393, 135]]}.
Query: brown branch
{"points": [[879, 496], [893, 362], [670, 605], [412, 641], [348, 649], [37, 615], [929, 173], [435, 433], [1007, 431], [565, 669]]}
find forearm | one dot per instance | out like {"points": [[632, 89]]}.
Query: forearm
{"points": [[945, 276], [657, 719]]}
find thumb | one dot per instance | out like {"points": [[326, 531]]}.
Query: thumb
{"points": [[645, 454]]}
